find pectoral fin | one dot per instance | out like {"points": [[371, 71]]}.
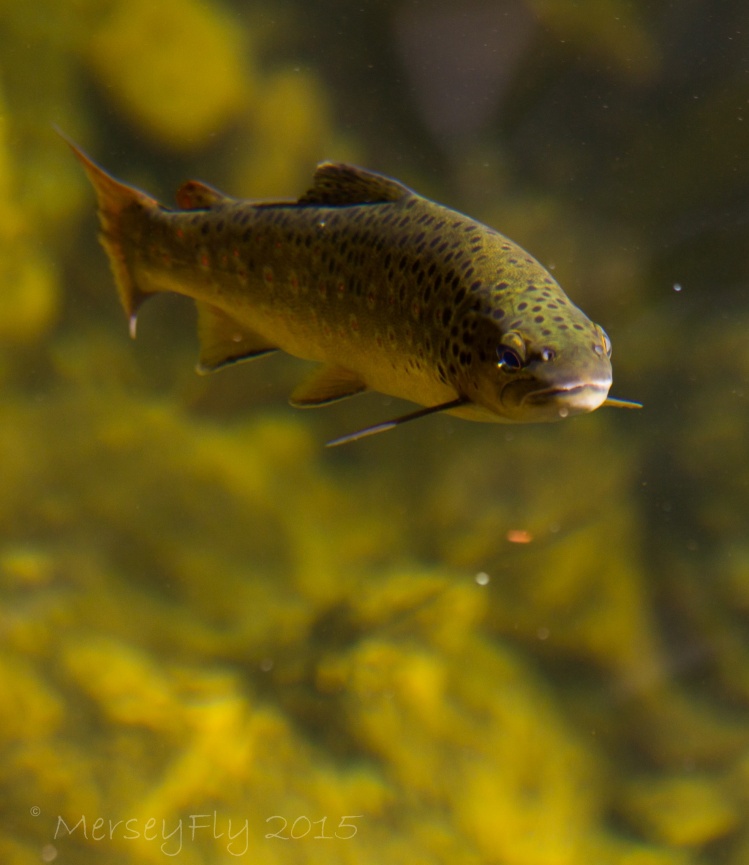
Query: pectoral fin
{"points": [[391, 424], [223, 341], [326, 384], [621, 403]]}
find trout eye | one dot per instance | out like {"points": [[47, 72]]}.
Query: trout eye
{"points": [[508, 360]]}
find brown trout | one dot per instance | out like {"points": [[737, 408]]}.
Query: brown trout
{"points": [[387, 290]]}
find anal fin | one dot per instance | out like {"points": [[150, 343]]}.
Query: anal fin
{"points": [[224, 341], [327, 383]]}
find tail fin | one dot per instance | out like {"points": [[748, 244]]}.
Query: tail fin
{"points": [[116, 199]]}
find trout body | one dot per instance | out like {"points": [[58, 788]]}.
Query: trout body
{"points": [[387, 290]]}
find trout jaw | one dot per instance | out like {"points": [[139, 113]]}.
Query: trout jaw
{"points": [[528, 400], [562, 402]]}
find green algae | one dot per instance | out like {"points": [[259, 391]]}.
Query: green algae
{"points": [[177, 70], [522, 646]]}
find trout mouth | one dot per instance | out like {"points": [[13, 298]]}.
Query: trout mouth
{"points": [[566, 400]]}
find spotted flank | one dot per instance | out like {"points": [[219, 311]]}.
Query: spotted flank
{"points": [[388, 291]]}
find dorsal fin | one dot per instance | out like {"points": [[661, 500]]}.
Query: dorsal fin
{"points": [[195, 195], [336, 183]]}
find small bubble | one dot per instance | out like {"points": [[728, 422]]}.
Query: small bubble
{"points": [[266, 665], [542, 633], [677, 286], [482, 578], [49, 853]]}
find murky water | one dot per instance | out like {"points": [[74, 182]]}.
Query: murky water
{"points": [[453, 642]]}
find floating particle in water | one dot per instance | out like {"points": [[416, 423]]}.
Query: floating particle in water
{"points": [[519, 536]]}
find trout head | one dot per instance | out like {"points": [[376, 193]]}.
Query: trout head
{"points": [[532, 372]]}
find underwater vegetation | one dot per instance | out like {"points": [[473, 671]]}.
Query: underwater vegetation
{"points": [[459, 644]]}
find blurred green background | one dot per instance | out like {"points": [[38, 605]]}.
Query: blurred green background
{"points": [[203, 612]]}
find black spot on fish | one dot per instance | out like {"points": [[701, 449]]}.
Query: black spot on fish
{"points": [[522, 306], [220, 225], [498, 314], [205, 228], [538, 319]]}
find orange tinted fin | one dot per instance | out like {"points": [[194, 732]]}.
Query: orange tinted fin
{"points": [[115, 200], [195, 195]]}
